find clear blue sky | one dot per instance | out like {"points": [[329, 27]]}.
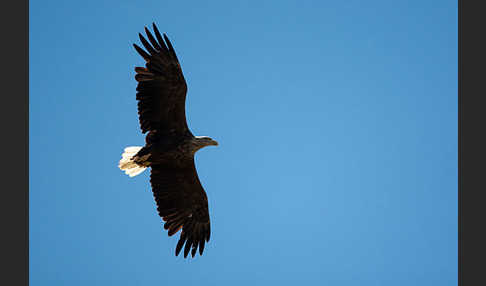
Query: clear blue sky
{"points": [[337, 124]]}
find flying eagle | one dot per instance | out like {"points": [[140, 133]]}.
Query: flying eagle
{"points": [[170, 145]]}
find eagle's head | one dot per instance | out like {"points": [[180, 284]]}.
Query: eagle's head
{"points": [[203, 141]]}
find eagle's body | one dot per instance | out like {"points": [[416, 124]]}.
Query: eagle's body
{"points": [[170, 145], [172, 153]]}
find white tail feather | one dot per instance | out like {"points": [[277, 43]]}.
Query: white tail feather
{"points": [[126, 163]]}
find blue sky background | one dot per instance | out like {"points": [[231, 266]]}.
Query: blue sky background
{"points": [[337, 123]]}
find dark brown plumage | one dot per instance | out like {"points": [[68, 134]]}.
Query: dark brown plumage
{"points": [[170, 146]]}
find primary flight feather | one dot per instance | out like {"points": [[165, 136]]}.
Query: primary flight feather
{"points": [[170, 146]]}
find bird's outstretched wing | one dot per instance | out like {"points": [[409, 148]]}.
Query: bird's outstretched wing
{"points": [[182, 204], [161, 89]]}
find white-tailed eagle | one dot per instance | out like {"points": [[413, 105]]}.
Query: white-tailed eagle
{"points": [[170, 146]]}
